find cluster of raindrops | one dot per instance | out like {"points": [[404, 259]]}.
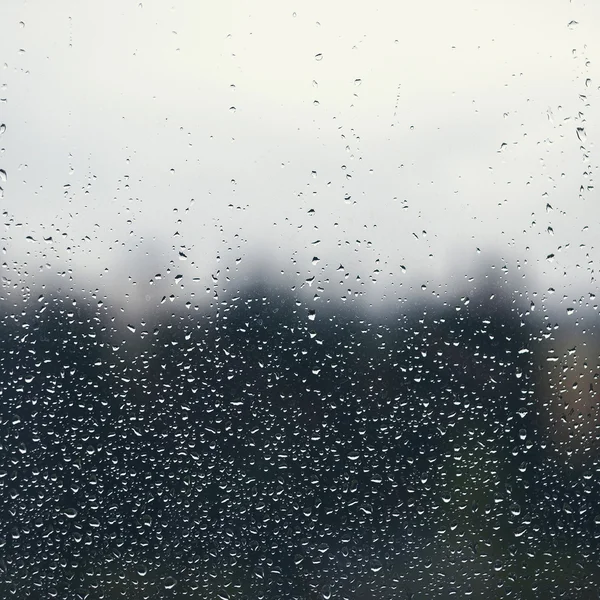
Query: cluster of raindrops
{"points": [[250, 452]]}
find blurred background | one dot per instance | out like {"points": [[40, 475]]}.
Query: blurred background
{"points": [[299, 300]]}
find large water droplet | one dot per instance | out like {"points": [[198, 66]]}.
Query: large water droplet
{"points": [[170, 582], [376, 566]]}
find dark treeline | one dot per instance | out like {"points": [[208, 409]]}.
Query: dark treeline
{"points": [[256, 451]]}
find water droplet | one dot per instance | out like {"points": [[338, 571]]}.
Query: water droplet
{"points": [[376, 566], [2, 128], [323, 547], [581, 134], [170, 582], [354, 455], [70, 513], [2, 175], [357, 82], [318, 56]]}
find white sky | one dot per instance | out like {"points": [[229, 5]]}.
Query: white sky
{"points": [[105, 95]]}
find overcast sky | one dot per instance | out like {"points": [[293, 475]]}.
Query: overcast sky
{"points": [[437, 136]]}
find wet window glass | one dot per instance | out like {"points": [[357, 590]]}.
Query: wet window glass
{"points": [[299, 300]]}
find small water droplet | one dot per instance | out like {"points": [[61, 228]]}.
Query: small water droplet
{"points": [[581, 134], [70, 513], [318, 56]]}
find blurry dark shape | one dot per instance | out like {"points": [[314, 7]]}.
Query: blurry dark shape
{"points": [[570, 367], [254, 450]]}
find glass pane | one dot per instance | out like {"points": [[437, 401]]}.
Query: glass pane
{"points": [[299, 300]]}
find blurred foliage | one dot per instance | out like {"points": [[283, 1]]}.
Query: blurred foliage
{"points": [[260, 450]]}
